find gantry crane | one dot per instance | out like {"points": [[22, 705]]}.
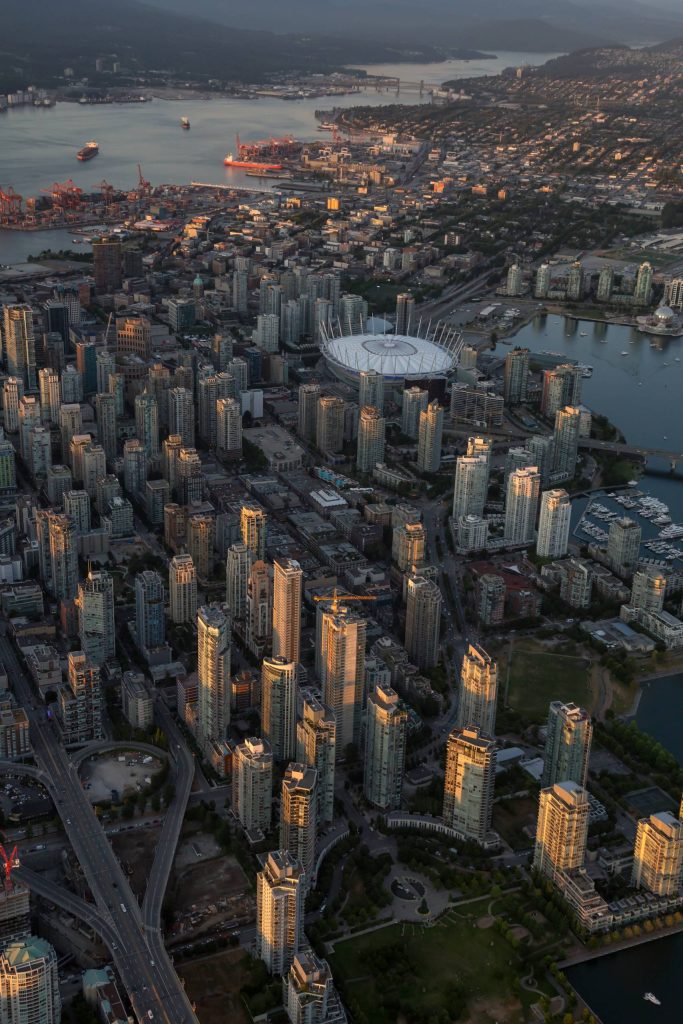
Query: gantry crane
{"points": [[10, 204]]}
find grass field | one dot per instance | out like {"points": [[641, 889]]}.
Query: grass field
{"points": [[431, 969], [538, 676], [510, 817]]}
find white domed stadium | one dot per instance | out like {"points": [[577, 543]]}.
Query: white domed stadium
{"points": [[432, 352]]}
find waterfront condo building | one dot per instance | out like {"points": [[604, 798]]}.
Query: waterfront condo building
{"points": [[568, 745], [386, 723], [566, 441], [478, 691], [553, 524], [562, 828], [516, 376], [658, 855], [299, 816], [469, 783], [648, 589], [521, 504], [279, 911]]}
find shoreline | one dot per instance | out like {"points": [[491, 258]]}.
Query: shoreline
{"points": [[619, 947]]}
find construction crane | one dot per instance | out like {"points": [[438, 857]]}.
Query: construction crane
{"points": [[9, 861], [336, 598]]}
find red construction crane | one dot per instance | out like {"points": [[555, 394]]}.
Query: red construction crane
{"points": [[9, 862], [10, 203]]}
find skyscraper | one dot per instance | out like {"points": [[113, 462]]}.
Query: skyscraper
{"points": [[12, 393], [77, 505], [415, 401], [308, 994], [182, 583], [566, 441], [478, 691], [96, 627], [370, 448], [150, 624], [561, 387], [329, 424], [106, 254], [423, 620], [200, 540], [279, 911], [568, 745], [658, 854], [371, 390], [299, 816], [287, 584], [562, 828], [229, 427], [50, 395], [147, 423], [213, 673], [19, 344], [63, 557], [278, 706], [259, 610], [316, 740], [542, 286], [470, 486], [554, 524], [181, 415], [189, 485], [575, 281], [105, 405], [516, 376], [385, 746], [642, 295], [134, 466], [80, 701], [408, 545], [340, 665], [253, 529], [308, 410], [210, 389], [252, 783], [29, 983], [405, 311], [623, 545], [430, 432], [521, 504], [237, 567], [469, 783], [514, 280]]}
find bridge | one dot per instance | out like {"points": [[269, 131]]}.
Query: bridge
{"points": [[622, 448]]}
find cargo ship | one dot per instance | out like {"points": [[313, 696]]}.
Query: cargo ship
{"points": [[184, 122], [251, 165], [90, 150]]}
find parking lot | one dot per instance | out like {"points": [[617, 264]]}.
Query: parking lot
{"points": [[117, 773]]}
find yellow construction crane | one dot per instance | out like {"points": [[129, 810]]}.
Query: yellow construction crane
{"points": [[336, 598]]}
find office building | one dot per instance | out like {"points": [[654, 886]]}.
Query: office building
{"points": [[430, 433], [329, 424], [147, 423], [515, 378], [658, 855], [478, 691], [39, 454], [469, 783], [470, 486], [213, 673], [386, 723], [279, 911], [562, 828], [521, 504], [229, 428], [308, 410], [150, 624], [561, 387], [19, 344], [29, 983], [105, 407], [554, 524], [566, 441], [370, 449], [623, 545], [287, 586], [29, 419], [134, 466], [267, 333], [253, 529], [408, 545], [340, 666], [80, 701], [252, 784], [405, 312], [96, 626], [12, 393], [278, 706], [567, 745], [299, 816], [316, 741], [105, 365], [182, 314], [423, 620], [648, 590], [371, 390], [106, 253], [415, 402], [182, 583], [181, 415]]}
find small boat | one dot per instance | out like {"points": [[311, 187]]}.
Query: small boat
{"points": [[650, 997], [624, 353], [184, 122], [583, 334]]}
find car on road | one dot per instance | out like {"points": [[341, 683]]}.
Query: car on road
{"points": [[123, 907]]}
